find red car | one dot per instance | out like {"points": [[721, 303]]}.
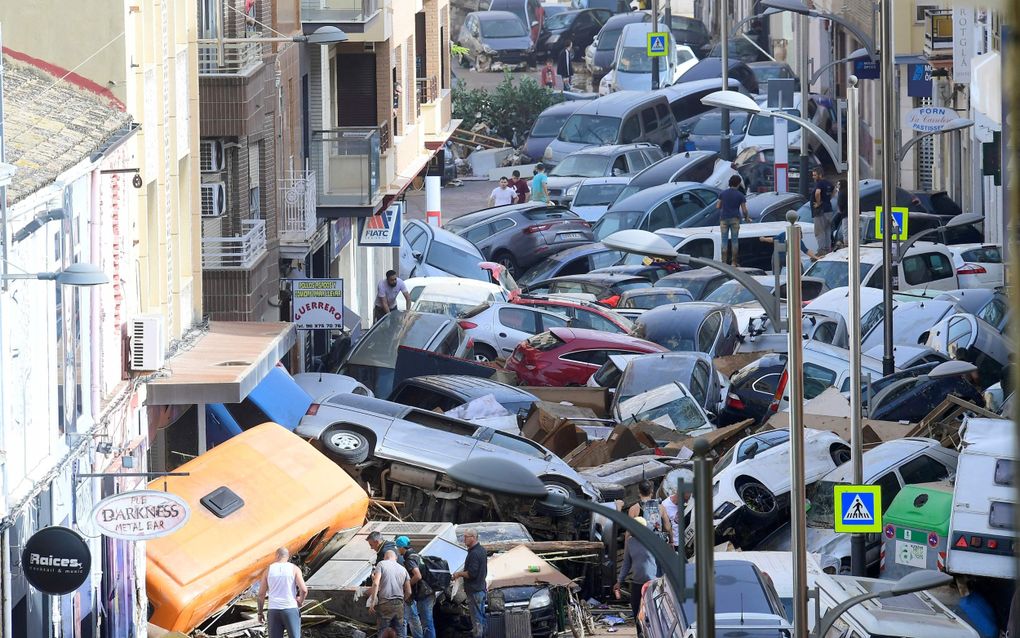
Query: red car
{"points": [[582, 314], [569, 356]]}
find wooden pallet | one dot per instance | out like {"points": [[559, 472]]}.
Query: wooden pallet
{"points": [[474, 140]]}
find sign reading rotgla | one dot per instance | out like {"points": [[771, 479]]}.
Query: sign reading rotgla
{"points": [[317, 304], [140, 515]]}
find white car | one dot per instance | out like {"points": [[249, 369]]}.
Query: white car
{"points": [[497, 328], [685, 60], [761, 130], [751, 483], [450, 295], [924, 265], [592, 196], [672, 406], [978, 265]]}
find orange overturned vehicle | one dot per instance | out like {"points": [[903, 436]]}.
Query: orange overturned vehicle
{"points": [[262, 489]]}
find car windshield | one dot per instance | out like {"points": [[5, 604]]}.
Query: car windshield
{"points": [[379, 346], [643, 375], [615, 221], [710, 123], [455, 261], [597, 194], [649, 301], [764, 127], [634, 60], [609, 38], [503, 29], [820, 514], [731, 292], [548, 125], [590, 129], [668, 405], [581, 166], [835, 273], [559, 21], [766, 73]]}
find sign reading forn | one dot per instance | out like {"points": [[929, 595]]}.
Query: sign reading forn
{"points": [[317, 304], [56, 560], [930, 119], [140, 515]]}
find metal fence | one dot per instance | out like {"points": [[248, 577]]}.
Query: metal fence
{"points": [[236, 253]]}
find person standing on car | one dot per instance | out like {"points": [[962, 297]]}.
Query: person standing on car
{"points": [[283, 584], [520, 186], [821, 211], [652, 510], [640, 565], [732, 204], [540, 185], [476, 568], [565, 64], [386, 295], [423, 599], [391, 588]]}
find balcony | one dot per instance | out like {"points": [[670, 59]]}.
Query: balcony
{"points": [[346, 161], [298, 221], [238, 59], [340, 11], [236, 253]]}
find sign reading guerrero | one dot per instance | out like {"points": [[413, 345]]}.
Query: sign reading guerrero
{"points": [[56, 560], [317, 304], [140, 515]]}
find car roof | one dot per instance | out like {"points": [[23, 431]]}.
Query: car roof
{"points": [[644, 199], [494, 15], [615, 179], [635, 34], [662, 170], [468, 386], [611, 338], [369, 404], [705, 272], [770, 198], [688, 310], [609, 278], [473, 218], [615, 103], [611, 149], [621, 19], [567, 106]]}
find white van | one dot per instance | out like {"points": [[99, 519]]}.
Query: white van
{"points": [[981, 530], [925, 265], [632, 68], [706, 242]]}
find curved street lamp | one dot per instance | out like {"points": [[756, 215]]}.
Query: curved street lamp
{"points": [[958, 124], [74, 275], [797, 6]]}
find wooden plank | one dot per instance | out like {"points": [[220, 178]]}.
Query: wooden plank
{"points": [[234, 627]]}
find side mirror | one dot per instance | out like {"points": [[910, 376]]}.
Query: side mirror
{"points": [[417, 255], [752, 451]]}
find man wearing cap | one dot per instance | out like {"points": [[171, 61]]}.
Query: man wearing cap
{"points": [[639, 563], [419, 616]]}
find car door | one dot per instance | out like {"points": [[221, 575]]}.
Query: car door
{"points": [[931, 270], [428, 439], [493, 443], [660, 217], [414, 242]]}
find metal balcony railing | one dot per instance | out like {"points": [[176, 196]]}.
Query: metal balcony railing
{"points": [[236, 253], [339, 10], [238, 58], [347, 162], [298, 219], [428, 89]]}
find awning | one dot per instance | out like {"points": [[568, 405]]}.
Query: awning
{"points": [[224, 365]]}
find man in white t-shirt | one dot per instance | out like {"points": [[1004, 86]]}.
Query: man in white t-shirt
{"points": [[386, 295], [502, 195], [283, 585]]}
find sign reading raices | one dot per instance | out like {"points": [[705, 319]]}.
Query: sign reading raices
{"points": [[56, 560], [317, 304], [140, 515]]}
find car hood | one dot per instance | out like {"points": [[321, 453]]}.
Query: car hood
{"points": [[564, 182], [561, 149], [508, 44], [633, 81], [535, 146], [590, 214]]}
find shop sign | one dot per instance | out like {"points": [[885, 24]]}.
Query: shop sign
{"points": [[140, 515], [930, 119], [317, 304], [56, 560]]}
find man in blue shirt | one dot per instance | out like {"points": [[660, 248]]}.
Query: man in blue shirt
{"points": [[731, 205], [540, 185], [781, 239]]}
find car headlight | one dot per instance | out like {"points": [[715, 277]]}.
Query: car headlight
{"points": [[547, 155], [572, 190], [723, 510], [552, 38], [541, 598]]}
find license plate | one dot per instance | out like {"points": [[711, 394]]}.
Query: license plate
{"points": [[570, 236], [911, 554]]}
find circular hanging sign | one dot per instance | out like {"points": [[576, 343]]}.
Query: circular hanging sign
{"points": [[56, 560], [140, 515]]}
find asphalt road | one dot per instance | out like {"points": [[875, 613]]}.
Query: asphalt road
{"points": [[470, 196]]}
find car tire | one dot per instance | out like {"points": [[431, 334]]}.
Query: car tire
{"points": [[840, 454], [507, 261], [483, 63], [347, 446], [484, 353], [552, 485], [758, 500]]}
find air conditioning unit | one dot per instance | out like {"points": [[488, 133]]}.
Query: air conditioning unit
{"points": [[211, 160], [147, 342], [214, 199]]}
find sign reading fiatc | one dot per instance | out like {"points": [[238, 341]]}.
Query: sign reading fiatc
{"points": [[140, 515]]}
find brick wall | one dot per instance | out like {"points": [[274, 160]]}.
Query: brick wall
{"points": [[384, 82]]}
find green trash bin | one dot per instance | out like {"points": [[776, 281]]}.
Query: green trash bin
{"points": [[916, 530]]}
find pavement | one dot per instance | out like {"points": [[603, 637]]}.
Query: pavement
{"points": [[472, 194]]}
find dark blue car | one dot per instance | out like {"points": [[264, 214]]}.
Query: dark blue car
{"points": [[547, 127]]}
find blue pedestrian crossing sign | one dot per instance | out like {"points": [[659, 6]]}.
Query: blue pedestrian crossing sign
{"points": [[657, 43], [858, 508], [900, 218]]}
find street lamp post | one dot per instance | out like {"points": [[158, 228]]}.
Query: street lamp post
{"points": [[889, 119], [909, 584], [724, 49]]}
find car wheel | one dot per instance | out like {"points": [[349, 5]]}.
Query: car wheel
{"points": [[484, 353], [483, 63], [556, 487], [347, 445], [757, 498], [507, 261], [840, 454]]}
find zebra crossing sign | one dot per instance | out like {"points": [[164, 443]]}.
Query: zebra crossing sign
{"points": [[858, 508], [657, 43]]}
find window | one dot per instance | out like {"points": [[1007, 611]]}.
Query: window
{"points": [[631, 131], [921, 12], [816, 379], [699, 383], [588, 357], [604, 259], [704, 248], [424, 398], [958, 335], [588, 319], [708, 331], [1000, 515], [923, 469], [890, 488], [620, 166], [1004, 472], [665, 117], [637, 161], [919, 269], [660, 218], [994, 312], [416, 238], [705, 195], [685, 205], [519, 319], [983, 255], [767, 384], [825, 332], [648, 119], [551, 321], [566, 287], [501, 225], [478, 233], [871, 319]]}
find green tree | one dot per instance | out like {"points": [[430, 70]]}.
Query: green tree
{"points": [[513, 105]]}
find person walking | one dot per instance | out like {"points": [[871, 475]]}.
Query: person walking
{"points": [[821, 211], [386, 295], [476, 568], [502, 195], [391, 587], [547, 78], [520, 186], [540, 185], [283, 584], [565, 64], [732, 204], [640, 565], [839, 222], [423, 598], [652, 510]]}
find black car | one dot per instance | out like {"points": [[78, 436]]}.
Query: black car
{"points": [[447, 391], [870, 196], [772, 206], [912, 398], [599, 56], [743, 49], [691, 32], [769, 70], [752, 389], [937, 202], [704, 130], [920, 222], [696, 326], [711, 68], [700, 281], [578, 260], [604, 287], [652, 272], [671, 205], [494, 36], [580, 27]]}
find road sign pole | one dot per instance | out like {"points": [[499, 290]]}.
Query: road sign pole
{"points": [[655, 29]]}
